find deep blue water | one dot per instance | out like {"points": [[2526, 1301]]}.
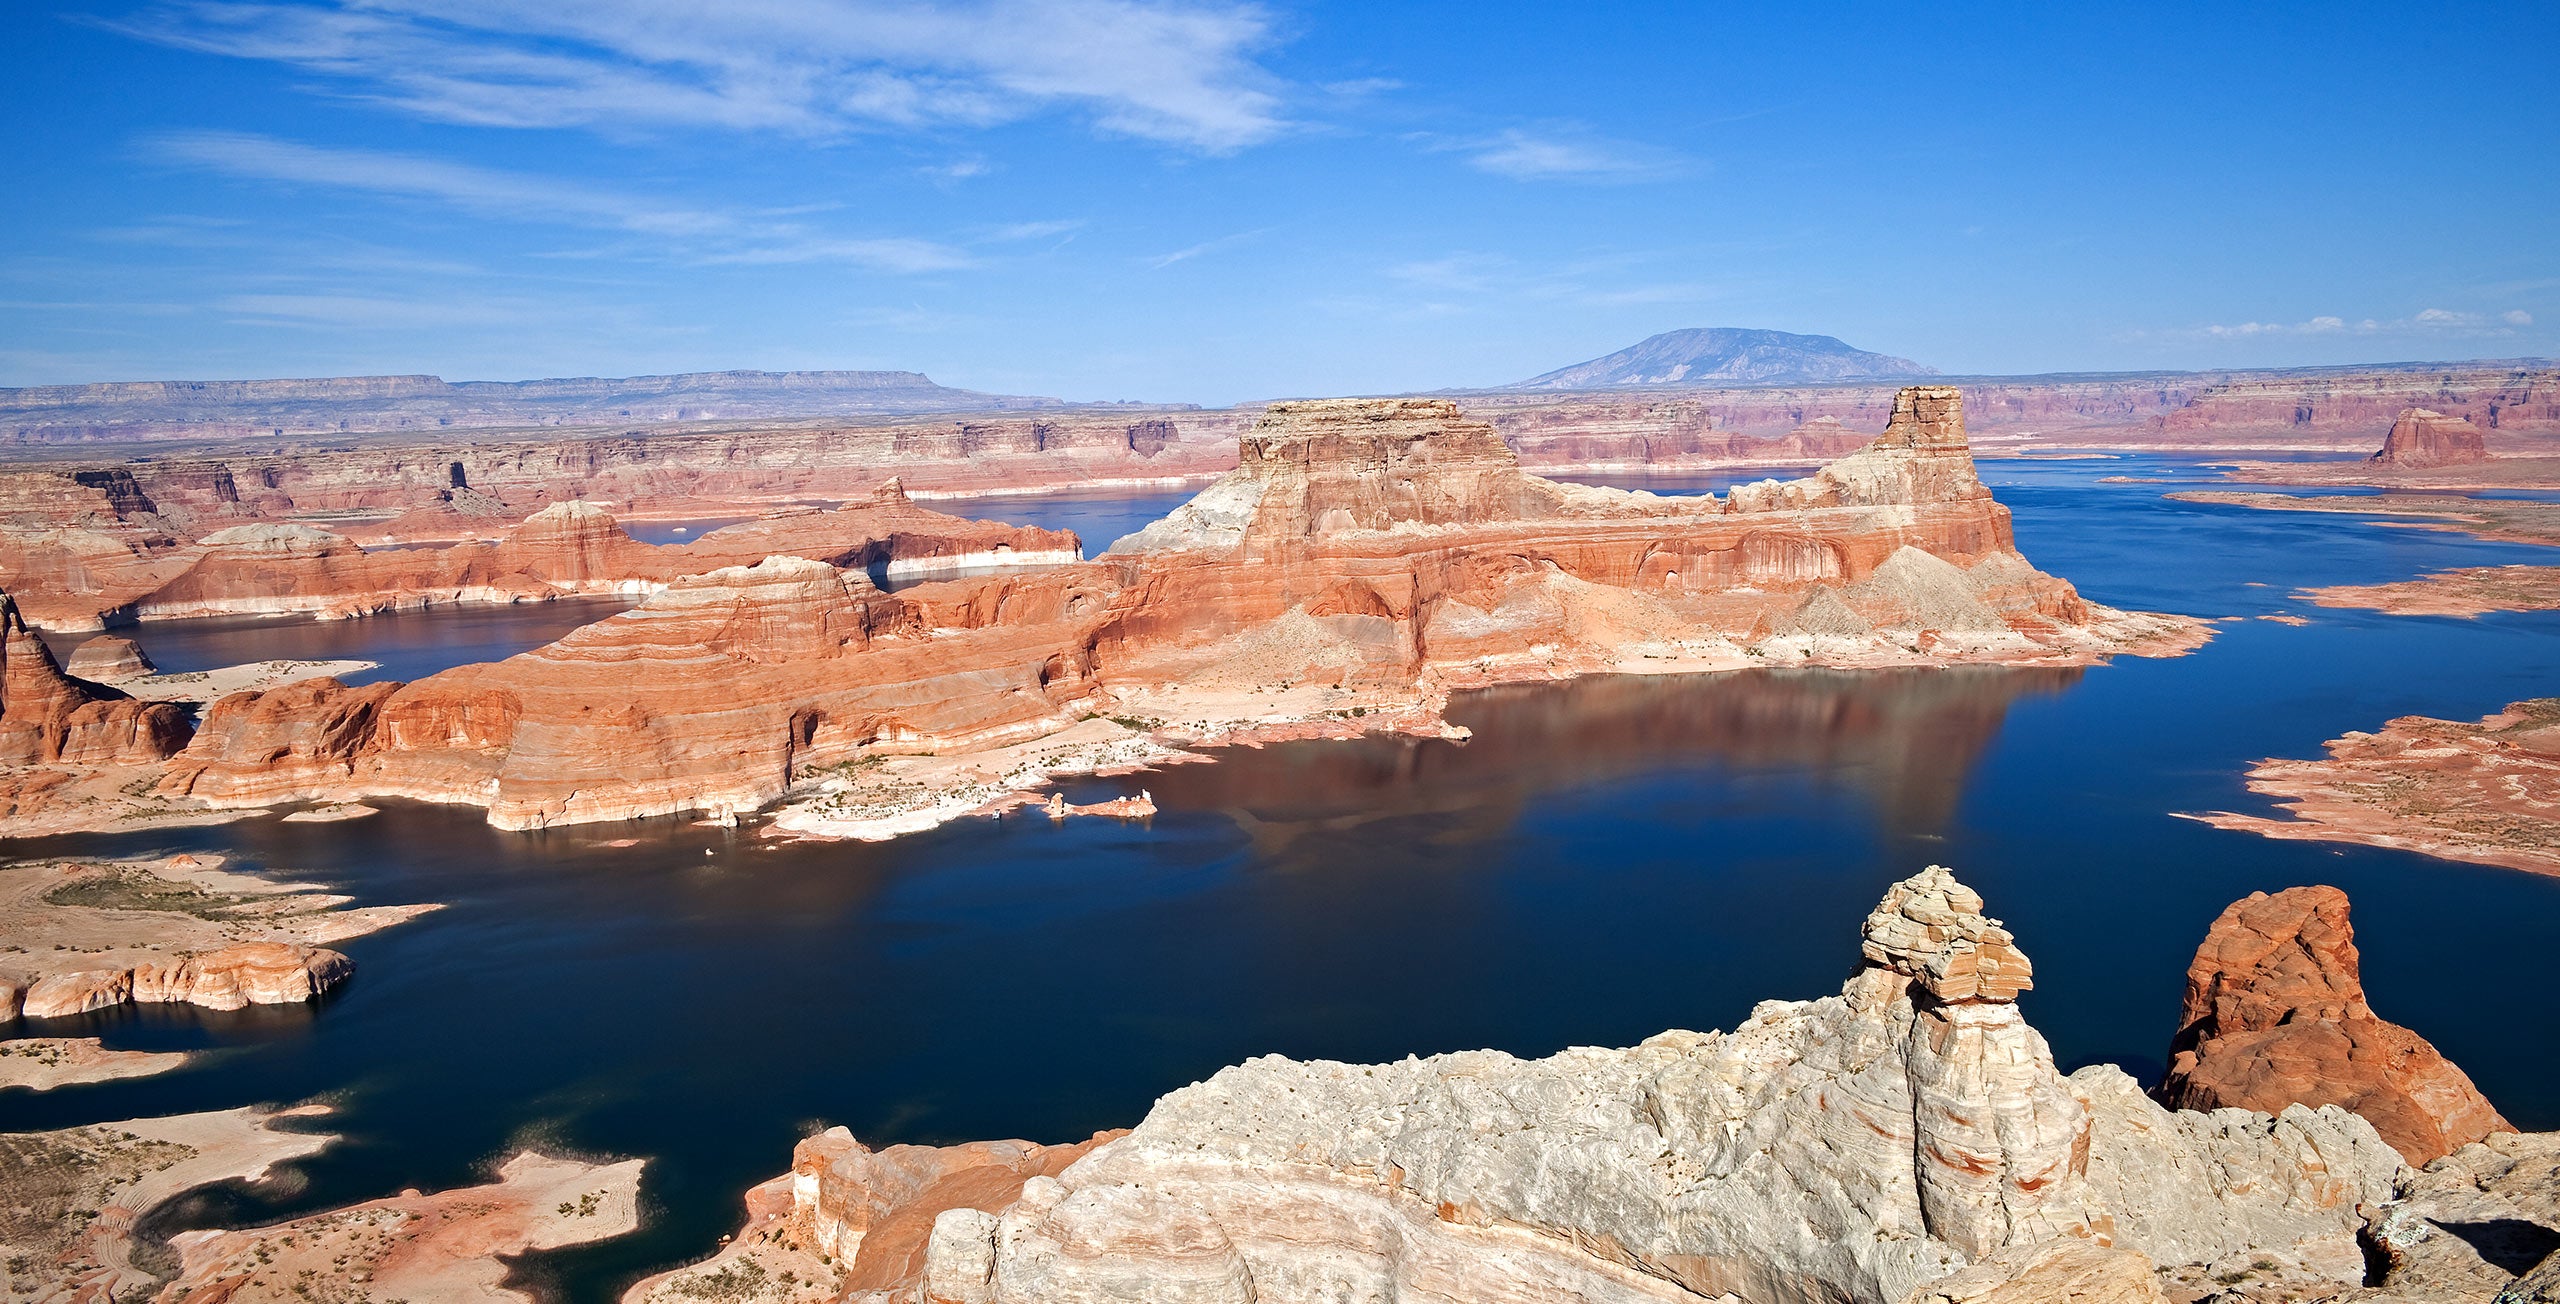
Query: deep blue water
{"points": [[1605, 859], [1098, 516], [408, 644]]}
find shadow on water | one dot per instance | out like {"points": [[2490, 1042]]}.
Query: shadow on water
{"points": [[1605, 859]]}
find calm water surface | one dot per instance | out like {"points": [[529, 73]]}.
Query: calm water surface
{"points": [[408, 644], [1604, 860]]}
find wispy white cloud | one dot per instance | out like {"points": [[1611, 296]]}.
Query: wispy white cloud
{"points": [[375, 312], [1568, 153], [1014, 231], [1181, 72], [1361, 88], [1614, 280], [1161, 261], [2426, 321], [693, 234]]}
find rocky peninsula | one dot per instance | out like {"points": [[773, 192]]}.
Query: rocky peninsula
{"points": [[2482, 792], [78, 936], [1364, 560]]}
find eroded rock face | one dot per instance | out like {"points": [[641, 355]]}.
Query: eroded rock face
{"points": [[1399, 536], [1386, 547], [572, 547], [108, 659], [2276, 1015], [234, 977], [2424, 438], [712, 695], [1852, 1148], [2480, 1224], [50, 718]]}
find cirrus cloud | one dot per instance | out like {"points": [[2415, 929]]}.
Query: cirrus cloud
{"points": [[2426, 321], [701, 235], [1180, 72]]}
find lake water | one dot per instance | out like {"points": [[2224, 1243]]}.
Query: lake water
{"points": [[408, 644], [1603, 860]]}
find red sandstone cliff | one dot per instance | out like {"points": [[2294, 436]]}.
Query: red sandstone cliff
{"points": [[49, 718], [2423, 438], [566, 548], [710, 695], [1394, 547], [2276, 1015]]}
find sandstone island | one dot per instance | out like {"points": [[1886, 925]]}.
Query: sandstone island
{"points": [[1365, 559]]}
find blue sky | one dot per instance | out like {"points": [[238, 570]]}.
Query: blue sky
{"points": [[1202, 201]]}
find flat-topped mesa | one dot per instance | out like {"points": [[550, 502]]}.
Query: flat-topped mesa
{"points": [[109, 659], [1931, 929], [1361, 464], [1392, 550], [50, 718], [2423, 438], [1330, 466]]}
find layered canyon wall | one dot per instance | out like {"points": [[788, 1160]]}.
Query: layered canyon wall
{"points": [[206, 480], [131, 411], [1391, 549], [567, 548]]}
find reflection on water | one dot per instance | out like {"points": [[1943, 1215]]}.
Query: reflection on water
{"points": [[1603, 860], [1905, 740], [409, 644]]}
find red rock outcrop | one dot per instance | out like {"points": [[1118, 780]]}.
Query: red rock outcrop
{"points": [[2335, 406], [2422, 438], [108, 659], [300, 741], [566, 548], [713, 694], [2276, 1015], [50, 718], [234, 977], [1409, 536], [1369, 544]]}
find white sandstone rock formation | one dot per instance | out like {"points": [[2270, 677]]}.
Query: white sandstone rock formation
{"points": [[1854, 1148]]}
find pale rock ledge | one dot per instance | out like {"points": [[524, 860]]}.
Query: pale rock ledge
{"points": [[1908, 1135]]}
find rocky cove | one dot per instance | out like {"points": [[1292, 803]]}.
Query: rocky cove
{"points": [[1600, 861]]}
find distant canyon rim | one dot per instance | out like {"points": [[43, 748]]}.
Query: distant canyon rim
{"points": [[835, 659], [1366, 558]]}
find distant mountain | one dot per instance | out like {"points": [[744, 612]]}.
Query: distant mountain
{"points": [[163, 409], [1726, 355]]}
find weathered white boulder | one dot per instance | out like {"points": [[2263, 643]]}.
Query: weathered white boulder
{"points": [[1852, 1148]]}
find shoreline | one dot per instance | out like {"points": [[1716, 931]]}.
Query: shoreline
{"points": [[990, 780], [2479, 792]]}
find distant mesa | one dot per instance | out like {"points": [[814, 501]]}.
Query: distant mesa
{"points": [[176, 408], [2424, 438], [1727, 355]]}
